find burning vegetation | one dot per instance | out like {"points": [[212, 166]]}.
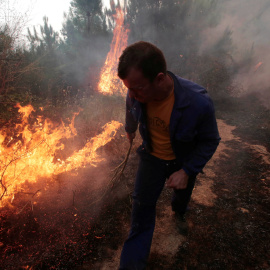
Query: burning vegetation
{"points": [[109, 82], [42, 181], [30, 153], [58, 207]]}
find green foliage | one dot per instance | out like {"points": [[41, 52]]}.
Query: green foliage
{"points": [[86, 42], [48, 35], [84, 20], [10, 61], [13, 68], [61, 71]]}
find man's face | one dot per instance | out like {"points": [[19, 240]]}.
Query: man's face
{"points": [[140, 87]]}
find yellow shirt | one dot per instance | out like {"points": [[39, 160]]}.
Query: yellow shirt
{"points": [[158, 121]]}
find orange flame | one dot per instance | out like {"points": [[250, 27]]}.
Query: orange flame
{"points": [[30, 155], [109, 82], [257, 66]]}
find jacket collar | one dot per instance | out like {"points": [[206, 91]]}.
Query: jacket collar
{"points": [[182, 97]]}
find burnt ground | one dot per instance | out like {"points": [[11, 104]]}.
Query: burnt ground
{"points": [[228, 220]]}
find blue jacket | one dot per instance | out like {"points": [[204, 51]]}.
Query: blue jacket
{"points": [[193, 128]]}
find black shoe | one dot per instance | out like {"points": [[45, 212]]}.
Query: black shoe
{"points": [[181, 223]]}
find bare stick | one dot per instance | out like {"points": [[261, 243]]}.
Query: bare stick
{"points": [[10, 162], [30, 201], [73, 202], [118, 171]]}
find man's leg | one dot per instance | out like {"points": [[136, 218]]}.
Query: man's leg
{"points": [[182, 197], [149, 183]]}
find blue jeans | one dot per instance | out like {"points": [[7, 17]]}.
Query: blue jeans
{"points": [[151, 176]]}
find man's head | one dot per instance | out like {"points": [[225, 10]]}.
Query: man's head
{"points": [[142, 67], [143, 56]]}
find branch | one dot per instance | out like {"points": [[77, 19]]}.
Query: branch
{"points": [[30, 201], [10, 162], [118, 171]]}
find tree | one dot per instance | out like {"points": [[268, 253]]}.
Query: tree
{"points": [[11, 54], [45, 52], [12, 62], [87, 38], [175, 26], [178, 28], [85, 20]]}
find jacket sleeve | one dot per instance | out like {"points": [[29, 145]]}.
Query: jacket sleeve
{"points": [[131, 124], [207, 140]]}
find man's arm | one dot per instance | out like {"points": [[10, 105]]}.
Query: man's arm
{"points": [[178, 180], [207, 140], [131, 136], [131, 124]]}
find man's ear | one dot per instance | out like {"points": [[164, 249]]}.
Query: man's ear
{"points": [[160, 77]]}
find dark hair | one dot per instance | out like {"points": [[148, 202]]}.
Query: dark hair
{"points": [[143, 56]]}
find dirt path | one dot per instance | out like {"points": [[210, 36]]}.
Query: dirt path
{"points": [[228, 217], [204, 194]]}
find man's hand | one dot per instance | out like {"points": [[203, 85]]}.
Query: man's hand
{"points": [[131, 136], [178, 180]]}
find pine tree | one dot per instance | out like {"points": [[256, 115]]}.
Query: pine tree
{"points": [[87, 38]]}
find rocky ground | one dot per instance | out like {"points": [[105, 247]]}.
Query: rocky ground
{"points": [[228, 219]]}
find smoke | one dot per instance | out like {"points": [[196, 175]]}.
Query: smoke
{"points": [[250, 33], [79, 189], [234, 32]]}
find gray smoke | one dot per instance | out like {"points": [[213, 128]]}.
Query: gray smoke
{"points": [[249, 22]]}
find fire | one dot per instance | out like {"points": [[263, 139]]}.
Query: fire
{"points": [[257, 66], [30, 154], [109, 82]]}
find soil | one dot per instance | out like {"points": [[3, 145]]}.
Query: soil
{"points": [[228, 219]]}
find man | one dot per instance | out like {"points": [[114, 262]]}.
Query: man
{"points": [[180, 135]]}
